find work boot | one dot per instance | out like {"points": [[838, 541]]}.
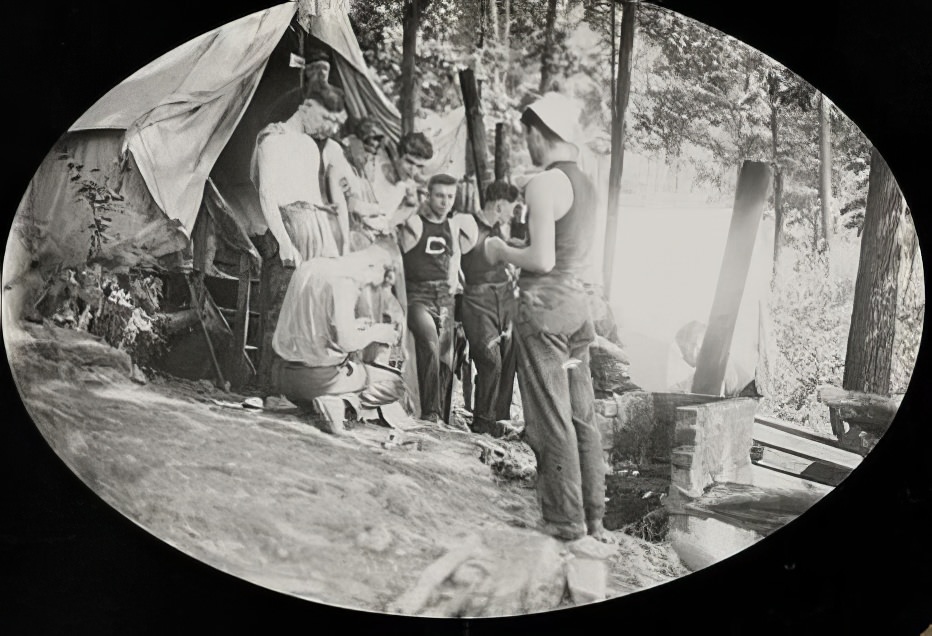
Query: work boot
{"points": [[480, 426]]}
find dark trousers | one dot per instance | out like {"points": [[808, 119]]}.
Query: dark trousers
{"points": [[488, 313], [273, 283], [430, 319], [558, 403]]}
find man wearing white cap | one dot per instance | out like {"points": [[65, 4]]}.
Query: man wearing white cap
{"points": [[553, 325]]}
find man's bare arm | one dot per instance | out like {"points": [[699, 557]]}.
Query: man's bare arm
{"points": [[270, 203], [540, 256], [338, 188], [410, 233], [468, 231]]}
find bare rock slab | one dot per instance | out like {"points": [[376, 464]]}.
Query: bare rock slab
{"points": [[591, 548], [587, 580]]}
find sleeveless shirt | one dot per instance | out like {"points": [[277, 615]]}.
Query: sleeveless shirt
{"points": [[477, 269], [429, 259], [574, 232], [555, 302]]}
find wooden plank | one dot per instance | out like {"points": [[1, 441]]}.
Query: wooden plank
{"points": [[770, 477], [475, 129], [816, 470], [751, 193], [776, 438], [241, 322], [230, 311], [198, 303], [795, 429]]}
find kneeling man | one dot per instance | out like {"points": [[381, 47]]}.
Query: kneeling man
{"points": [[318, 337]]}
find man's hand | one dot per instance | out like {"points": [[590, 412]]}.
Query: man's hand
{"points": [[411, 196], [494, 249]]}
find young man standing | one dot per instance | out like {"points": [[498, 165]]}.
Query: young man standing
{"points": [[399, 179], [488, 312], [432, 243], [553, 325], [286, 169], [286, 172]]}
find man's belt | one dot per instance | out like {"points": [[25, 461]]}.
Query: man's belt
{"points": [[479, 287]]}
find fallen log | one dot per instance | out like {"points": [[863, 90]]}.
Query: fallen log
{"points": [[179, 321], [870, 411]]}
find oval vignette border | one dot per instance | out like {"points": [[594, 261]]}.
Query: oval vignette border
{"points": [[888, 452]]}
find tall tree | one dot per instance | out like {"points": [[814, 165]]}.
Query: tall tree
{"points": [[411, 22], [873, 319], [616, 167], [825, 170], [547, 70], [506, 27], [778, 212]]}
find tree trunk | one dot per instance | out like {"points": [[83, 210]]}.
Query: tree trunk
{"points": [[482, 19], [614, 54], [825, 171], [870, 338], [546, 62], [506, 30], [501, 152], [410, 23], [869, 355], [616, 167], [778, 217], [493, 20]]}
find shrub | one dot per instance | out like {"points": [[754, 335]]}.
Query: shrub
{"points": [[123, 310]]}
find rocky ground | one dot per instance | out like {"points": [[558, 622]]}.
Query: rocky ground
{"points": [[432, 521]]}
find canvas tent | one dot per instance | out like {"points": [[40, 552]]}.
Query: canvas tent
{"points": [[127, 181], [126, 185]]}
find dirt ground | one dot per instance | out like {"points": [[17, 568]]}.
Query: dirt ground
{"points": [[268, 497]]}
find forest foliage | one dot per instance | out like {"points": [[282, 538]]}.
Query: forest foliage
{"points": [[697, 96]]}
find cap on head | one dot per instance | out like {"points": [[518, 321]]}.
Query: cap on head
{"points": [[560, 114]]}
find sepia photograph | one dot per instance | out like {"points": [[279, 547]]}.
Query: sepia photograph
{"points": [[464, 310]]}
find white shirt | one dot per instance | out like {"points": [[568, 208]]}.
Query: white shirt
{"points": [[389, 194], [305, 331], [287, 169]]}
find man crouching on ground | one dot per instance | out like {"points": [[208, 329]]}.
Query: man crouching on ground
{"points": [[553, 326], [318, 331]]}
